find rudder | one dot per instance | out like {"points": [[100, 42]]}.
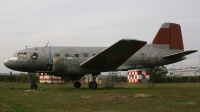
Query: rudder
{"points": [[169, 33]]}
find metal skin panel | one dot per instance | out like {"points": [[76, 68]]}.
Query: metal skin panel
{"points": [[150, 55]]}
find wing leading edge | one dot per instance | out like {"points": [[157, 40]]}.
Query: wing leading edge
{"points": [[115, 55]]}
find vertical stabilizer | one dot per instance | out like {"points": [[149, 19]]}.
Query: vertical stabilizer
{"points": [[169, 33]]}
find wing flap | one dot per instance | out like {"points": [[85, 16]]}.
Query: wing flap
{"points": [[115, 55], [180, 54]]}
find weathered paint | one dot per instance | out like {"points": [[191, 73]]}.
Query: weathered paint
{"points": [[150, 55]]}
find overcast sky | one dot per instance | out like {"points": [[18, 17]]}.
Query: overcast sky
{"points": [[94, 23]]}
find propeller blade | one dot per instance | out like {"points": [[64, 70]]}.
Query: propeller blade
{"points": [[50, 58], [50, 61]]}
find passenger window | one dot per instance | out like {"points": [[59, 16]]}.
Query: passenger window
{"points": [[85, 54], [67, 55], [76, 55], [57, 55], [25, 55]]}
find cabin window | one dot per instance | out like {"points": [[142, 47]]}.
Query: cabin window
{"points": [[25, 55], [76, 55], [57, 55], [67, 55], [85, 54]]}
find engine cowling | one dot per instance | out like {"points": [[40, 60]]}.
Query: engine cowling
{"points": [[59, 64], [66, 65]]}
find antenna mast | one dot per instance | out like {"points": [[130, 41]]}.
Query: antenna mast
{"points": [[47, 44]]}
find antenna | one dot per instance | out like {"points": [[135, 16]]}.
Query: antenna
{"points": [[47, 44], [27, 46]]}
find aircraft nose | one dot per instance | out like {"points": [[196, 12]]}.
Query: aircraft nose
{"points": [[6, 63]]}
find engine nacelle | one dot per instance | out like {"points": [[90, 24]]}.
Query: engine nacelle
{"points": [[66, 65]]}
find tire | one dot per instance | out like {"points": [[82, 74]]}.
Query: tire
{"points": [[77, 84], [89, 85], [93, 85], [33, 86]]}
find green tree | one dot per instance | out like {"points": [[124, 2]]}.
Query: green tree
{"points": [[158, 72]]}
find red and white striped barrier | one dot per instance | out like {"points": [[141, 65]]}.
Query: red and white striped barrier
{"points": [[136, 76], [49, 78]]}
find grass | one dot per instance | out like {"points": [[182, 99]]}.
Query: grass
{"points": [[181, 97]]}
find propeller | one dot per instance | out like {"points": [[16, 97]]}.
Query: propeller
{"points": [[49, 64]]}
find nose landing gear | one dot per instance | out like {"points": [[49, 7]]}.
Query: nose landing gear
{"points": [[77, 84], [33, 85]]}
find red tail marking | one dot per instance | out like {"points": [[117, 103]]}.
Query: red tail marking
{"points": [[169, 33], [162, 37], [176, 41]]}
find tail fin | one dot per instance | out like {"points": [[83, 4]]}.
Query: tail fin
{"points": [[169, 33]]}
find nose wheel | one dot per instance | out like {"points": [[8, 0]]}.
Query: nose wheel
{"points": [[77, 84], [33, 86]]}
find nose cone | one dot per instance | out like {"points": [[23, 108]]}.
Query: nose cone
{"points": [[6, 63]]}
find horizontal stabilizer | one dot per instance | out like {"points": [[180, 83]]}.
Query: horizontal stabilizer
{"points": [[115, 55], [179, 54]]}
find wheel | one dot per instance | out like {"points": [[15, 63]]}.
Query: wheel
{"points": [[33, 86], [93, 85], [89, 84], [77, 84]]}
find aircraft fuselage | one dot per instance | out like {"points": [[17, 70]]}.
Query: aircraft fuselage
{"points": [[36, 59]]}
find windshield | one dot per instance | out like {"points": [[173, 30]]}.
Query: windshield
{"points": [[15, 55]]}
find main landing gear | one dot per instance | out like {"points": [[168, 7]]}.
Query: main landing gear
{"points": [[93, 84]]}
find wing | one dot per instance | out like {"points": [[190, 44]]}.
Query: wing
{"points": [[115, 55], [179, 54]]}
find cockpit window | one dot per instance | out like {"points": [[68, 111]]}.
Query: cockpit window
{"points": [[19, 55], [22, 55], [25, 55], [15, 55]]}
